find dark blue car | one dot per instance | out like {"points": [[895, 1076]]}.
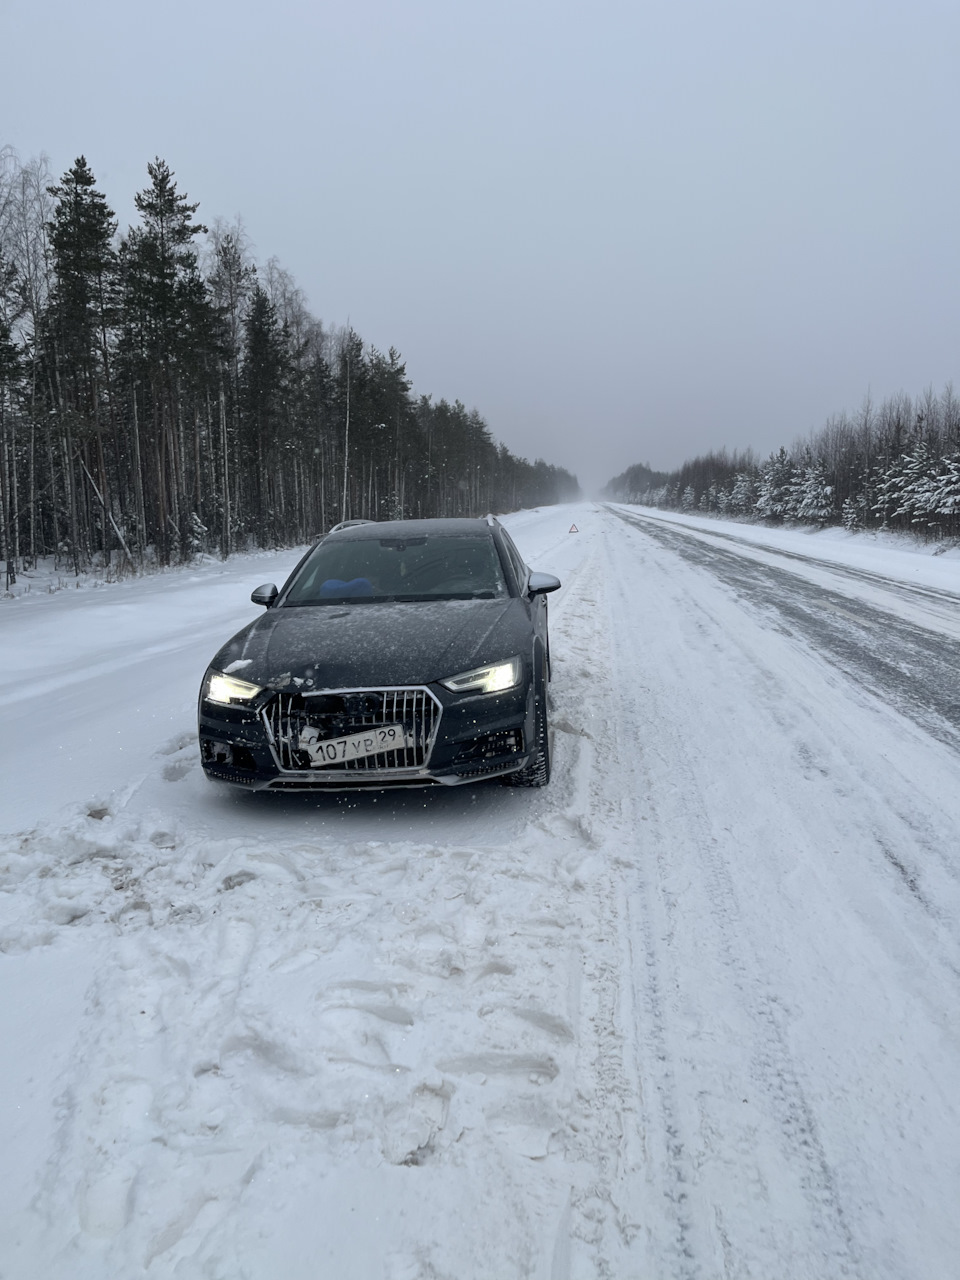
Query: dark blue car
{"points": [[401, 653]]}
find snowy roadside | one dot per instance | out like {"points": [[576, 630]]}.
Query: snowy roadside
{"points": [[891, 555], [275, 1032], [46, 579]]}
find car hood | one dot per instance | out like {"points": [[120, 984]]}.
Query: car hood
{"points": [[375, 645]]}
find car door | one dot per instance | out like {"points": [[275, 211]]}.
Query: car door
{"points": [[536, 605]]}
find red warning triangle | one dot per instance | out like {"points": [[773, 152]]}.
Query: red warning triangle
{"points": [[574, 529]]}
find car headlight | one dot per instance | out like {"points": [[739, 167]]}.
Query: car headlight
{"points": [[491, 679], [228, 690]]}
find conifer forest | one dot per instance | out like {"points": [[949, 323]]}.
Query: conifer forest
{"points": [[162, 394], [893, 465]]}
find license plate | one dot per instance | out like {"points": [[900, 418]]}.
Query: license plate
{"points": [[354, 746]]}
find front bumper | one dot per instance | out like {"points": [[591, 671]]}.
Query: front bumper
{"points": [[459, 738]]}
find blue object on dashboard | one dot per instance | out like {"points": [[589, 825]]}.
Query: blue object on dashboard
{"points": [[355, 587]]}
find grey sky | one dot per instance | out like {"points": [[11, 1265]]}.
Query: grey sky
{"points": [[623, 232]]}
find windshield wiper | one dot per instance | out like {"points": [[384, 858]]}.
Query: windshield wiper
{"points": [[444, 595]]}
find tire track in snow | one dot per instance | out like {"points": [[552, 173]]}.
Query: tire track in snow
{"points": [[599, 1234], [776, 1072], [637, 1204], [659, 1180], [678, 821], [855, 640]]}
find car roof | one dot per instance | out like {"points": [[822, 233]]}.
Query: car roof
{"points": [[414, 528]]}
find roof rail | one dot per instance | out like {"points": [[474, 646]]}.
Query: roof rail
{"points": [[491, 518], [349, 524]]}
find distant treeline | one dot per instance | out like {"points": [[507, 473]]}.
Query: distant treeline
{"points": [[892, 466], [161, 394]]}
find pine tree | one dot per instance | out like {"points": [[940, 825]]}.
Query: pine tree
{"points": [[915, 484], [11, 368], [262, 386], [83, 301], [774, 501], [230, 279], [948, 497], [76, 331], [853, 513], [811, 495], [169, 345], [743, 495]]}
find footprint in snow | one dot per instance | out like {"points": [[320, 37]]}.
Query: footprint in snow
{"points": [[501, 1064], [548, 1022], [236, 880], [386, 1012], [176, 770]]}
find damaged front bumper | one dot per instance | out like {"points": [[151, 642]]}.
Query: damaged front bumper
{"points": [[450, 739]]}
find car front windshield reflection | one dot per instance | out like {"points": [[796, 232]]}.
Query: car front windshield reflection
{"points": [[372, 570]]}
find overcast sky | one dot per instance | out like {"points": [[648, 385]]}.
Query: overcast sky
{"points": [[624, 232]]}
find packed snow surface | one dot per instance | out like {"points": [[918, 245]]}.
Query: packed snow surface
{"points": [[690, 1011]]}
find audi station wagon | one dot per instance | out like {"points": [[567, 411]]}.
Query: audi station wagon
{"points": [[398, 653]]}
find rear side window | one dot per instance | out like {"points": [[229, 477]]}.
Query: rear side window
{"points": [[516, 560]]}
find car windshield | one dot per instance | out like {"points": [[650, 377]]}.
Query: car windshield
{"points": [[422, 567]]}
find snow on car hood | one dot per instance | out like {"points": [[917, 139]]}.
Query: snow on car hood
{"points": [[373, 645]]}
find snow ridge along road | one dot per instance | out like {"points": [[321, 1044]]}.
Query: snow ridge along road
{"points": [[691, 1011]]}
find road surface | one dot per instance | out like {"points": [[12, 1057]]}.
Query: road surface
{"points": [[691, 1011]]}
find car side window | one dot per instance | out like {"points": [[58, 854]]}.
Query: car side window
{"points": [[520, 570]]}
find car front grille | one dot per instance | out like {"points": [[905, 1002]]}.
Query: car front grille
{"points": [[336, 714]]}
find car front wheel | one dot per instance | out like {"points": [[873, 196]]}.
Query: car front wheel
{"points": [[536, 773]]}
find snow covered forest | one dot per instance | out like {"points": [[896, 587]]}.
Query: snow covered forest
{"points": [[161, 394], [893, 466]]}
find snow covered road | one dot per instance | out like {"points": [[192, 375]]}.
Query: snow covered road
{"points": [[691, 1011], [897, 639]]}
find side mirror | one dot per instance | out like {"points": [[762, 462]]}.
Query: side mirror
{"points": [[266, 594], [541, 583]]}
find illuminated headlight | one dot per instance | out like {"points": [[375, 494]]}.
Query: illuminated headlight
{"points": [[227, 690], [492, 679]]}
